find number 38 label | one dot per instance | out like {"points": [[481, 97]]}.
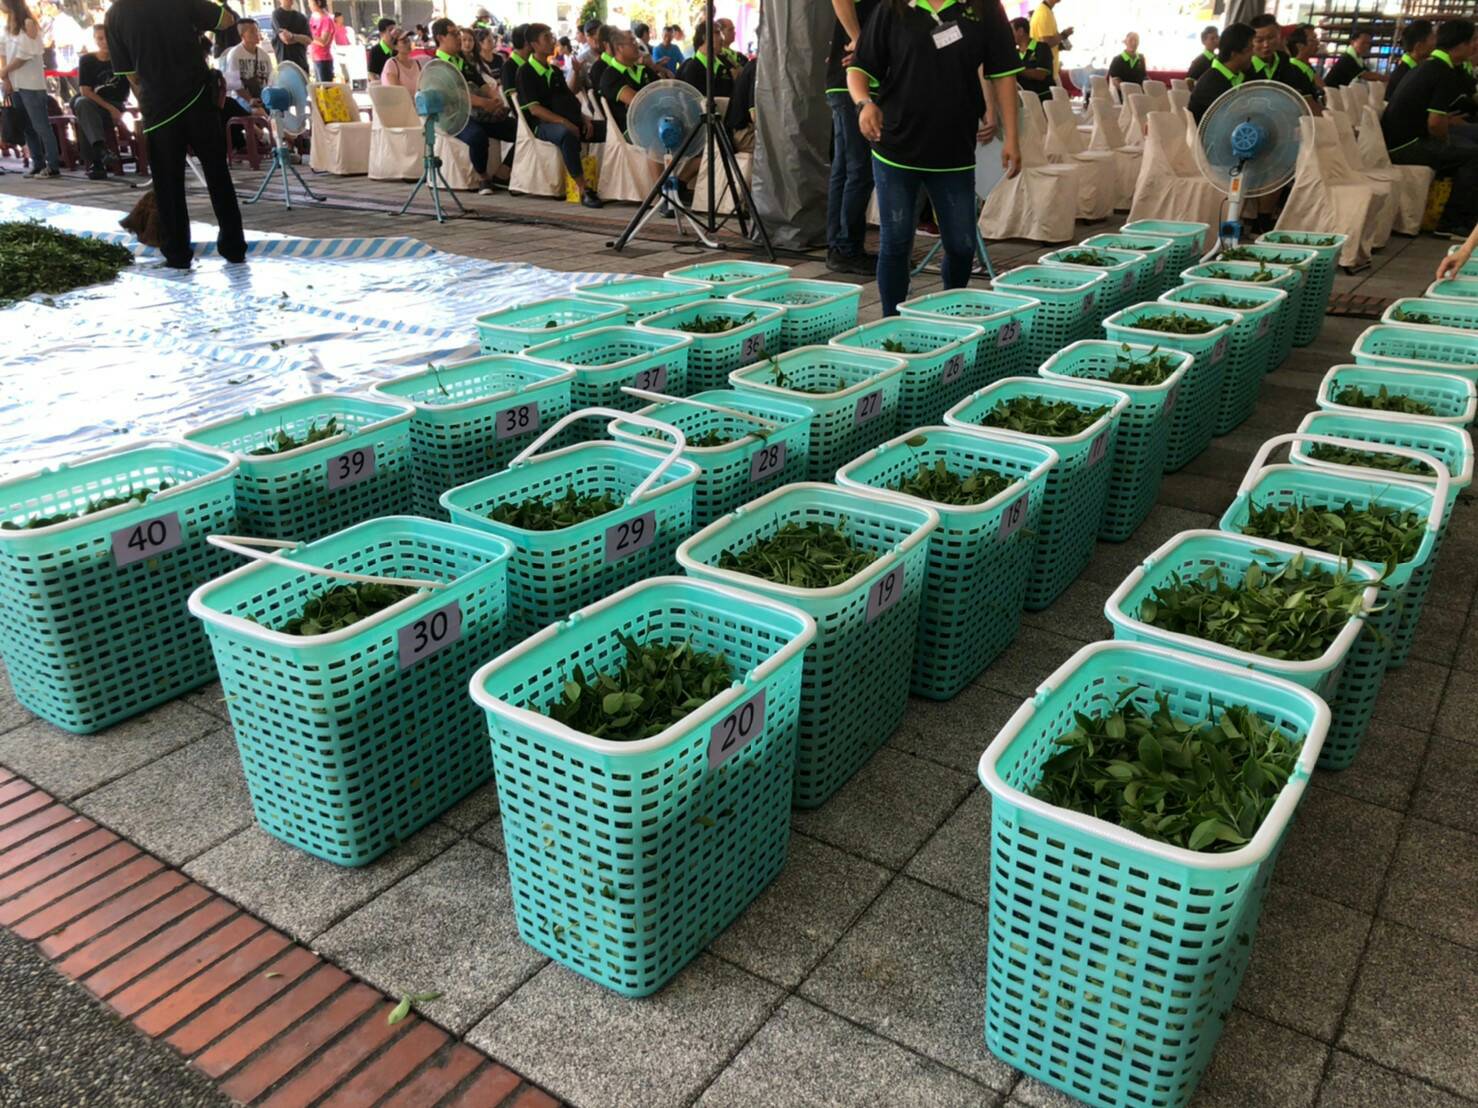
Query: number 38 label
{"points": [[144, 540], [423, 637], [520, 420], [730, 734], [885, 592], [627, 537], [351, 467]]}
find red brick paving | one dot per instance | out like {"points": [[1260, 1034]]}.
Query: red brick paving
{"points": [[272, 1022]]}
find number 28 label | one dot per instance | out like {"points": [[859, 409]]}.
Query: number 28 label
{"points": [[735, 730], [351, 467], [767, 461], [423, 637], [885, 592], [144, 540], [629, 536]]}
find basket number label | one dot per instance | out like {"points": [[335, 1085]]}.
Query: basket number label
{"points": [[767, 461], [144, 540], [423, 637], [653, 380], [351, 467], [1013, 517], [754, 345], [868, 407], [629, 536], [1088, 303], [1010, 331], [732, 733], [1263, 324], [522, 420], [1160, 263], [1219, 351], [1128, 281], [954, 369], [1099, 450], [1170, 398], [887, 591]]}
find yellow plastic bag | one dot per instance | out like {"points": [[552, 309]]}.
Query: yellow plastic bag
{"points": [[591, 165], [1436, 202]]}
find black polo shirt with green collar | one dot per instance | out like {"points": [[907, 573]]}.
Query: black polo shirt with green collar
{"points": [[1399, 72], [1282, 70], [836, 72], [1432, 89], [1345, 70], [158, 41], [1305, 79], [511, 65], [691, 71], [545, 85], [925, 63], [1197, 69], [1036, 55], [1217, 80], [618, 77], [376, 55], [1128, 67]]}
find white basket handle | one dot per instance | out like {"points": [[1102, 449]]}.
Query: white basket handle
{"points": [[663, 398], [242, 544], [640, 492], [1439, 495]]}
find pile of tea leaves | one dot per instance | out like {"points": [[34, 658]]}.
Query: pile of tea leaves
{"points": [[284, 441], [1245, 254], [1312, 240], [343, 606], [897, 346], [1152, 369], [1262, 273], [101, 504], [1382, 400], [1032, 415], [1202, 785], [1369, 459], [943, 485], [1401, 315], [1086, 257], [1219, 300], [1174, 323], [780, 379], [538, 514], [804, 555], [1380, 534], [714, 324], [35, 258]]}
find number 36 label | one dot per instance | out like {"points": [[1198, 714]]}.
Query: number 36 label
{"points": [[351, 467], [887, 591], [144, 540], [627, 537], [730, 734], [425, 636]]}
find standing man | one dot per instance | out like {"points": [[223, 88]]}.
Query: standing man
{"points": [[1210, 39], [1297, 72], [1349, 67], [382, 49], [156, 45], [291, 35], [850, 186], [1418, 40], [1044, 29], [554, 111], [1233, 59], [1036, 61], [1129, 65]]}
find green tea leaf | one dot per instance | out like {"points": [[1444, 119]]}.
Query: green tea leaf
{"points": [[400, 1011], [1033, 415], [538, 514], [808, 556]]}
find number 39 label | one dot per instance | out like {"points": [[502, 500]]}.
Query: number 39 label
{"points": [[627, 537], [735, 730], [144, 540], [885, 592], [520, 420], [351, 467], [423, 637]]}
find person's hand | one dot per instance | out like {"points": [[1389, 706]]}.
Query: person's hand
{"points": [[1011, 157], [587, 128], [986, 132], [849, 52], [870, 122], [1066, 32], [116, 113], [6, 87], [1453, 263]]}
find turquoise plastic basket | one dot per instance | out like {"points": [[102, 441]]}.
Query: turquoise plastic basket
{"points": [[93, 627], [1286, 486], [1253, 352], [472, 417], [1128, 273], [1450, 445], [1454, 399], [1005, 322], [712, 357], [939, 359], [553, 573], [729, 277], [861, 413], [1453, 288], [1320, 280], [1444, 349], [1068, 309], [627, 858], [1432, 311], [758, 457], [1275, 323], [1305, 298], [1113, 960], [353, 740], [854, 687], [361, 473], [610, 359], [1159, 249], [1077, 486], [1193, 422], [1144, 429], [514, 330], [980, 555], [644, 296], [1189, 238], [814, 310]]}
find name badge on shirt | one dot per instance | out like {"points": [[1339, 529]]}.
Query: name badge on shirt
{"points": [[947, 36]]}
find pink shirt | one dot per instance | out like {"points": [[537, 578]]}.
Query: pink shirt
{"points": [[318, 23], [407, 76]]}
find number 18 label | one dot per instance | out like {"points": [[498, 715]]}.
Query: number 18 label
{"points": [[1013, 517], [351, 467], [627, 537], [735, 730], [887, 591], [423, 637], [144, 540]]}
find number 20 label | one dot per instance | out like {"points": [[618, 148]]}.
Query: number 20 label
{"points": [[886, 592], [351, 467], [144, 540], [629, 536], [735, 730], [423, 637]]}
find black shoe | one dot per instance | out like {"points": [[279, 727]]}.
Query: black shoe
{"points": [[50, 173], [97, 173], [838, 262], [591, 200]]}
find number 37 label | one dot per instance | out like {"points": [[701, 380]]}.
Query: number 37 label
{"points": [[423, 637]]}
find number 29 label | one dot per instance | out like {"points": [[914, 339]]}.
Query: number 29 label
{"points": [[631, 535], [735, 730]]}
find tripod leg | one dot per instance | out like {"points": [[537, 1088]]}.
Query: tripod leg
{"points": [[267, 180], [743, 185], [421, 180], [647, 205], [929, 257]]}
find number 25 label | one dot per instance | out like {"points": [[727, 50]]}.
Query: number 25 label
{"points": [[627, 537], [423, 637], [735, 730], [144, 540], [351, 467], [887, 591], [1010, 331]]}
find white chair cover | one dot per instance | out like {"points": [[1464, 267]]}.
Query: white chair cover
{"points": [[1179, 83], [1040, 203], [538, 167], [1179, 98], [1376, 91], [1408, 183], [1138, 122], [1348, 168], [1323, 205], [1107, 136], [1064, 145], [340, 148], [1127, 90], [1031, 104], [1155, 89], [1100, 89], [456, 162], [725, 197], [626, 173], [1334, 98], [1170, 186], [397, 140]]}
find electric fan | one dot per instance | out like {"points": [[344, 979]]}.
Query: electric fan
{"points": [[1248, 145], [664, 120], [442, 103], [286, 98]]}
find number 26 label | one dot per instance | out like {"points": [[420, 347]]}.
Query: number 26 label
{"points": [[351, 467], [735, 730], [885, 592], [629, 536], [423, 637], [144, 540], [954, 369]]}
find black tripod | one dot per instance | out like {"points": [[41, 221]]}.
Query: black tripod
{"points": [[716, 136]]}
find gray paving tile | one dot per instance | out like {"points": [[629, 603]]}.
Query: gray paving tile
{"points": [[1355, 1083], [12, 715], [473, 811], [792, 924], [1338, 848], [1458, 717], [587, 1045], [1411, 695], [1433, 885], [448, 927], [1413, 1008], [210, 698], [957, 857], [491, 834], [1448, 784], [1465, 656], [913, 969], [888, 809], [302, 894], [805, 1055], [1386, 769], [1112, 562], [1197, 492], [1304, 961], [954, 732], [1078, 612], [1455, 576], [1028, 662], [1437, 633], [181, 804], [68, 765]]}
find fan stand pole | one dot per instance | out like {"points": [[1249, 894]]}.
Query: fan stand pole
{"points": [[282, 162], [432, 177]]}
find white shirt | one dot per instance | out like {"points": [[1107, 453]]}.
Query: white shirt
{"points": [[31, 75], [240, 65]]}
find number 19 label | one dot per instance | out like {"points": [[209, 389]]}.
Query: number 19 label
{"points": [[144, 540], [887, 591], [423, 637], [520, 420], [351, 467], [735, 730], [626, 538]]}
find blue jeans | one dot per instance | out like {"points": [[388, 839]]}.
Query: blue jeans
{"points": [[569, 145], [37, 120], [851, 178], [952, 193], [475, 135]]}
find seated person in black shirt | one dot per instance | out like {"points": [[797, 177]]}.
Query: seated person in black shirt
{"points": [[518, 57], [1129, 65], [600, 43], [1415, 124], [478, 132], [1268, 61], [1418, 39], [1233, 59], [553, 110], [1036, 60], [739, 115], [1210, 38], [382, 49], [693, 70], [1303, 47], [1349, 67], [99, 108], [624, 77]]}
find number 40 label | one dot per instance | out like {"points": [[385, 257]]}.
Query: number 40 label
{"points": [[423, 637], [735, 730], [144, 540]]}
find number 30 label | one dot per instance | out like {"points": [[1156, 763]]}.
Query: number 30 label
{"points": [[144, 540], [351, 467], [887, 591], [626, 538], [423, 637], [735, 730]]}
